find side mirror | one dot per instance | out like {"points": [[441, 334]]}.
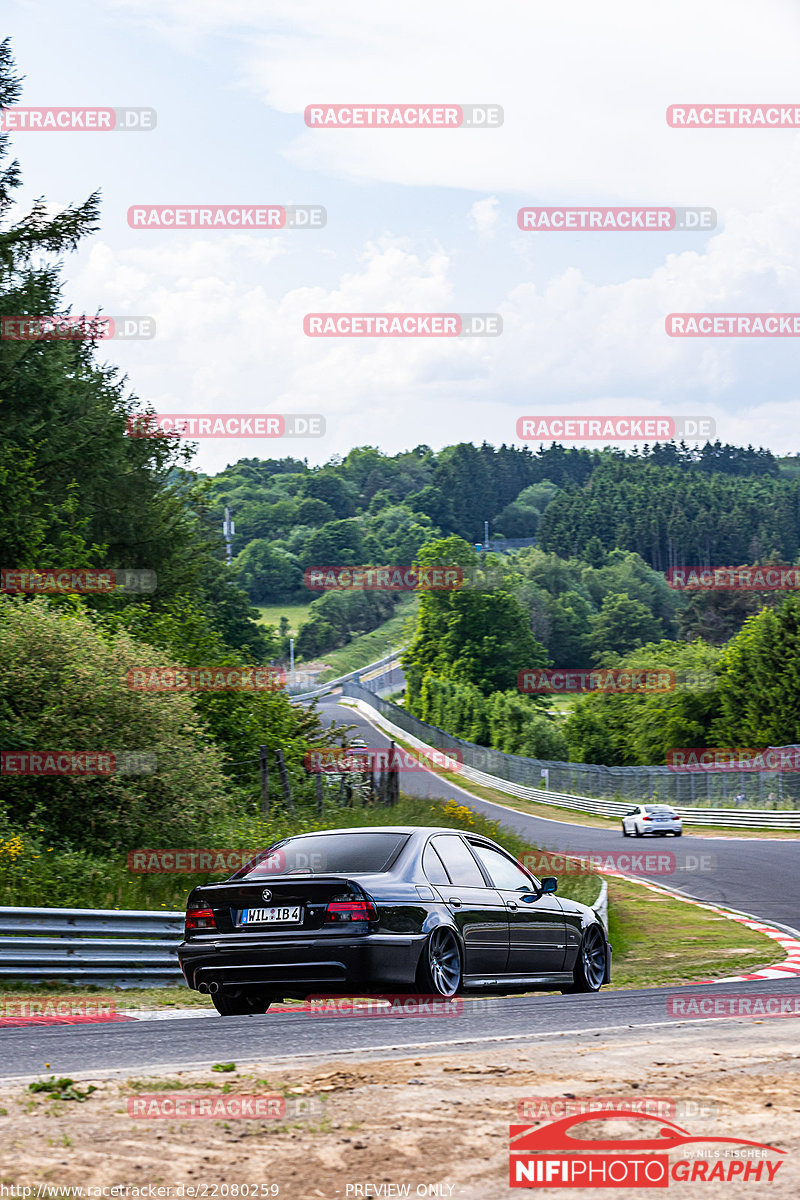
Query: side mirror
{"points": [[549, 884]]}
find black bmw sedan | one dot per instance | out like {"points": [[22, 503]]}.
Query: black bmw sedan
{"points": [[386, 909]]}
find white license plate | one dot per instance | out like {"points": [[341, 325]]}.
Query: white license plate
{"points": [[270, 916]]}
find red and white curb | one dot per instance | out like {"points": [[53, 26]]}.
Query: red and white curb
{"points": [[790, 967], [787, 969]]}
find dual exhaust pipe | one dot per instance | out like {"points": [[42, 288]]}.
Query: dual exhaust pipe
{"points": [[208, 989]]}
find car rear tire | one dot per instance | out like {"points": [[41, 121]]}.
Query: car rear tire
{"points": [[590, 966], [639, 832], [625, 832], [239, 1006], [679, 833], [440, 970]]}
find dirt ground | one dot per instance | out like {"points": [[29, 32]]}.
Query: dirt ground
{"points": [[435, 1125]]}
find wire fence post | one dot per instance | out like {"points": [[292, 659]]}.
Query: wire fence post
{"points": [[318, 778], [393, 790], [287, 791], [264, 771]]}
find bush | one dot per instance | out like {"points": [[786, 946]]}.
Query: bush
{"points": [[63, 688]]}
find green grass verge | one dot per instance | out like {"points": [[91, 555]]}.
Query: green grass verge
{"points": [[368, 647], [659, 941], [76, 880], [296, 614]]}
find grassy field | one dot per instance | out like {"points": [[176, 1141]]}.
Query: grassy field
{"points": [[270, 614], [370, 646], [659, 941]]}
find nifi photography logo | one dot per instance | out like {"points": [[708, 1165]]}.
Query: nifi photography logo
{"points": [[555, 1155]]}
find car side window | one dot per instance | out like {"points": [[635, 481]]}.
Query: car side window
{"points": [[503, 873], [459, 863], [433, 866], [632, 812]]}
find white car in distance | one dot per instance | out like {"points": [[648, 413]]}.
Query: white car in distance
{"points": [[656, 819]]}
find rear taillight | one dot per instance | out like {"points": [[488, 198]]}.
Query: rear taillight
{"points": [[342, 912], [647, 818], [199, 918]]}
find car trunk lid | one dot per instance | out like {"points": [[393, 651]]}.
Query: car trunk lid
{"points": [[280, 906]]}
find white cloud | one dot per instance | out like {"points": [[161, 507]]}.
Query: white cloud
{"points": [[483, 216], [584, 89], [573, 345]]}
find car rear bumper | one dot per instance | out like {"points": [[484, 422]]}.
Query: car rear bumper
{"points": [[304, 965]]}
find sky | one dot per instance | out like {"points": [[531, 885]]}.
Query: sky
{"points": [[426, 220]]}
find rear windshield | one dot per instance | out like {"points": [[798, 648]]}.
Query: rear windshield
{"points": [[659, 808], [328, 854]]}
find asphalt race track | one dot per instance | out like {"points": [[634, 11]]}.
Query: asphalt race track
{"points": [[191, 1042], [759, 877]]}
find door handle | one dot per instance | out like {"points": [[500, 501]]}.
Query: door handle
{"points": [[454, 900], [512, 904]]}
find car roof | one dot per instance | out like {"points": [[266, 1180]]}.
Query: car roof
{"points": [[380, 829]]}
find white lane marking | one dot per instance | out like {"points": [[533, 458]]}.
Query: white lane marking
{"points": [[166, 1014]]}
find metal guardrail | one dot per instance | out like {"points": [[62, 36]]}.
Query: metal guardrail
{"points": [[117, 947], [324, 688], [409, 727], [600, 905]]}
